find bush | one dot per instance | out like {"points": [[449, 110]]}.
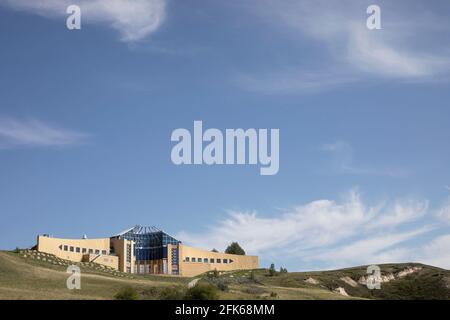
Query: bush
{"points": [[222, 285], [273, 294], [172, 294], [202, 291], [127, 293], [272, 271], [283, 270]]}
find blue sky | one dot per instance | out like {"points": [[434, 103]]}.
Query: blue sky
{"points": [[86, 118]]}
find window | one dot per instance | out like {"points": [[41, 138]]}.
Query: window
{"points": [[218, 261], [199, 259], [225, 260], [78, 249], [211, 260], [91, 251], [104, 252], [84, 250], [66, 248], [71, 249], [97, 251], [187, 259], [141, 268], [205, 260], [193, 259]]}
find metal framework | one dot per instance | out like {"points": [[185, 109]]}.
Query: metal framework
{"points": [[150, 244]]}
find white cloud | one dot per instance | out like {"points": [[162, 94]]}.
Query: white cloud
{"points": [[352, 52], [134, 20], [282, 81], [35, 133], [444, 212], [343, 159], [325, 232], [371, 250], [436, 253]]}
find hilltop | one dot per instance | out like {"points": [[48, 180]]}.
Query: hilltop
{"points": [[25, 276]]}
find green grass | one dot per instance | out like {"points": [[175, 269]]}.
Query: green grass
{"points": [[26, 278]]}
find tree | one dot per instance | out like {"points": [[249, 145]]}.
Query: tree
{"points": [[235, 248], [272, 270], [283, 270], [214, 250]]}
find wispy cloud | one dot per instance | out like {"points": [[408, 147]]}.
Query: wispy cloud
{"points": [[343, 160], [351, 51], [328, 233], [34, 133], [134, 20], [444, 212]]}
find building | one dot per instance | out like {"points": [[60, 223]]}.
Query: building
{"points": [[144, 250]]}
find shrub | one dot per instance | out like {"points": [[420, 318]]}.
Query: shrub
{"points": [[283, 270], [273, 294], [202, 291], [172, 294], [127, 293], [222, 285], [254, 290], [272, 271]]}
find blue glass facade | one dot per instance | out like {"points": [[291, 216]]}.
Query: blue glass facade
{"points": [[150, 244]]}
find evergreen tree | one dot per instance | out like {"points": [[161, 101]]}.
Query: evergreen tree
{"points": [[235, 248]]}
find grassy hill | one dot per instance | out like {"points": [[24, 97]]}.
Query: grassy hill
{"points": [[25, 276]]}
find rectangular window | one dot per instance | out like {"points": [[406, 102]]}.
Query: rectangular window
{"points": [[72, 249], [187, 259], [91, 251], [211, 260], [66, 248], [205, 260], [78, 249], [218, 261], [193, 259], [84, 250], [97, 251], [199, 259], [225, 260], [104, 252]]}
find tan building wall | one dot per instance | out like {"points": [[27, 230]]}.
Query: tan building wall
{"points": [[108, 260], [192, 261], [120, 249], [214, 261], [78, 250]]}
